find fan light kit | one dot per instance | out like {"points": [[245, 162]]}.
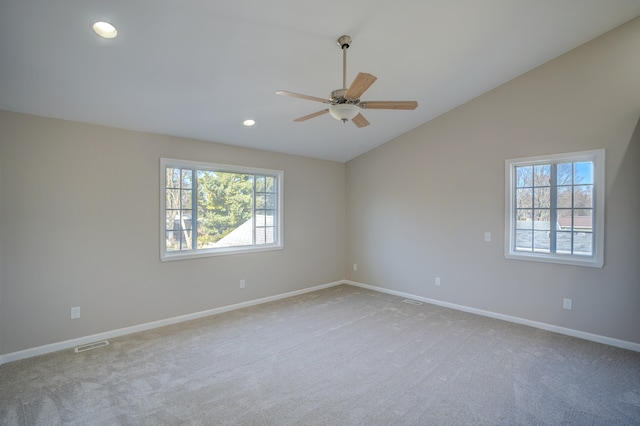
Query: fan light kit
{"points": [[344, 112], [345, 104]]}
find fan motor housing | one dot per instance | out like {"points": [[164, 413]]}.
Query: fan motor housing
{"points": [[338, 97]]}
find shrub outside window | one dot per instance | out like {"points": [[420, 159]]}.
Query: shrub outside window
{"points": [[212, 209], [555, 208]]}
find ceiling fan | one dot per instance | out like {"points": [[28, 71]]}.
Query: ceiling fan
{"points": [[345, 103]]}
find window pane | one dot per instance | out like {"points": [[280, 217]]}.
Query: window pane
{"points": [[186, 178], [563, 242], [563, 198], [185, 199], [564, 173], [260, 218], [172, 240], [583, 243], [185, 240], [524, 176], [269, 237], [583, 219], [583, 173], [260, 183], [542, 175], [270, 184], [185, 219], [270, 201], [542, 197], [172, 220], [264, 235], [524, 240], [261, 235], [541, 219], [565, 219], [541, 241], [260, 201], [524, 198], [583, 196], [172, 198], [225, 205], [173, 177], [524, 219]]}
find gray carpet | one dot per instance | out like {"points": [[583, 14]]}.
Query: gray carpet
{"points": [[340, 356]]}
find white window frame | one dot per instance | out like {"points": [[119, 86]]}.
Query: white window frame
{"points": [[206, 252], [597, 258]]}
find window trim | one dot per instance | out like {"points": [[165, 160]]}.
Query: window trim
{"points": [[221, 251], [596, 260]]}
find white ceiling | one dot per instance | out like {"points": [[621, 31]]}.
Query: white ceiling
{"points": [[198, 68]]}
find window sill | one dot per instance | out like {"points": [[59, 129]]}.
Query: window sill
{"points": [[184, 255], [559, 259]]}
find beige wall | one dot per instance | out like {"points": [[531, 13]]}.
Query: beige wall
{"points": [[418, 206], [79, 226], [79, 212]]}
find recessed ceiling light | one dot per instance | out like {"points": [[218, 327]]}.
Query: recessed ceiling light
{"points": [[249, 122], [105, 29]]}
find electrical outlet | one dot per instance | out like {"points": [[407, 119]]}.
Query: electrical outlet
{"points": [[75, 312], [355, 266], [437, 280], [487, 236], [567, 304], [242, 283]]}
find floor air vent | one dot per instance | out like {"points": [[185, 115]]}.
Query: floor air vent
{"points": [[412, 302], [89, 346]]}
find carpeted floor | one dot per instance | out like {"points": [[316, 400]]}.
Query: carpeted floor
{"points": [[340, 356]]}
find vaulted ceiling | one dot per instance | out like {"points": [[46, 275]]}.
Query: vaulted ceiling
{"points": [[197, 69]]}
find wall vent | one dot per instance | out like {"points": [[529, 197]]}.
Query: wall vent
{"points": [[412, 302], [89, 346]]}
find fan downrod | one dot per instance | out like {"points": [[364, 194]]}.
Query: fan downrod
{"points": [[344, 41]]}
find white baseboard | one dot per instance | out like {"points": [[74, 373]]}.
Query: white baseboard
{"points": [[543, 326], [67, 344], [58, 346]]}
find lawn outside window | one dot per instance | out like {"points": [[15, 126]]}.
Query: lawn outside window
{"points": [[214, 209], [554, 208]]}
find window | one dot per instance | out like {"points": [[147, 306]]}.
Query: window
{"points": [[211, 209], [555, 208]]}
